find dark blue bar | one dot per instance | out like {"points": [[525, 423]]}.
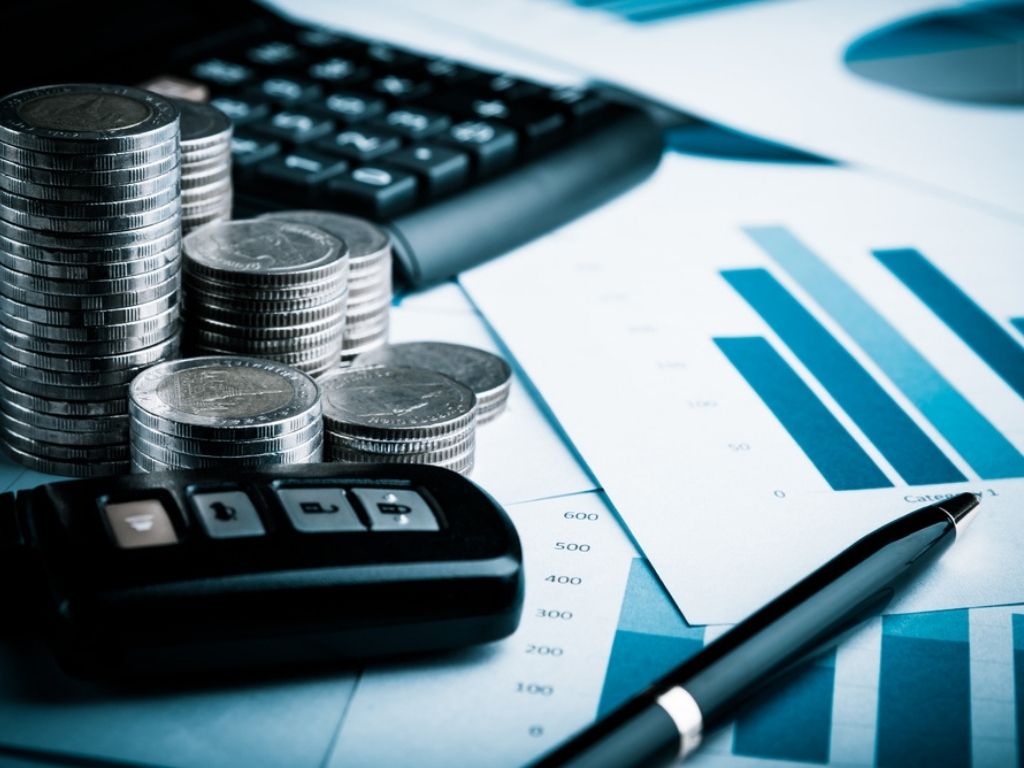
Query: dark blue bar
{"points": [[792, 720], [1018, 681], [651, 639], [924, 691], [965, 318], [1018, 323], [912, 454], [841, 461]]}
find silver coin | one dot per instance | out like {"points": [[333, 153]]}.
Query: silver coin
{"points": [[70, 162], [73, 385], [191, 180], [201, 323], [264, 253], [95, 302], [89, 282], [60, 407], [192, 207], [365, 240], [224, 393], [358, 317], [491, 412], [362, 333], [326, 339], [202, 123], [103, 224], [92, 364], [87, 118], [116, 436], [485, 373], [84, 318], [50, 346], [316, 292], [336, 453], [208, 154], [140, 462], [302, 454], [228, 447], [304, 361], [244, 302], [456, 440], [215, 189], [107, 332], [72, 241], [67, 468], [59, 209], [101, 424], [59, 452], [329, 311], [84, 275], [353, 351], [395, 403], [165, 245], [89, 179], [98, 194], [190, 225]]}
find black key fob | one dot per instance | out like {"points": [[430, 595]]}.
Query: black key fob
{"points": [[207, 570]]}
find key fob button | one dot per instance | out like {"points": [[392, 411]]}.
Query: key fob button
{"points": [[395, 510], [318, 510], [140, 523], [227, 514]]}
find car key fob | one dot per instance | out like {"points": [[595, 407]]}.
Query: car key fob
{"points": [[196, 570]]}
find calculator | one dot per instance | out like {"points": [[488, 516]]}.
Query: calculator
{"points": [[459, 163]]}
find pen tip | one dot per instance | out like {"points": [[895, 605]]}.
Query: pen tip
{"points": [[959, 508]]}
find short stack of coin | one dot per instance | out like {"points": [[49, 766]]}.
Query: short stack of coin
{"points": [[224, 412], [488, 375], [369, 282], [206, 190], [270, 289], [399, 416], [89, 267]]}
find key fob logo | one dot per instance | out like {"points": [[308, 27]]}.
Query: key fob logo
{"points": [[316, 508]]}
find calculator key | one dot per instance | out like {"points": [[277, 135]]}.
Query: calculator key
{"points": [[225, 74], [446, 72], [349, 107], [396, 510], [227, 514], [440, 170], [285, 91], [374, 191], [318, 510], [274, 54], [362, 144], [295, 127], [140, 523], [296, 174], [320, 38], [492, 147], [387, 58], [400, 88], [413, 123], [241, 110], [577, 103], [508, 88], [538, 122], [248, 151], [338, 71]]}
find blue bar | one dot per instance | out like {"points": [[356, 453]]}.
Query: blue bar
{"points": [[841, 461], [1018, 682], [1018, 323], [792, 720], [956, 309], [651, 639], [924, 692], [970, 433], [912, 454]]}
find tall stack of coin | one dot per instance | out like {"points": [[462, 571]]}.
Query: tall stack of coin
{"points": [[272, 289], [206, 191], [399, 416], [223, 412], [369, 282], [489, 376], [89, 245]]}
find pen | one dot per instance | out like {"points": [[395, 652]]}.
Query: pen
{"points": [[667, 721]]}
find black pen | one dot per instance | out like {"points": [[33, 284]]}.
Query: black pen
{"points": [[667, 721]]}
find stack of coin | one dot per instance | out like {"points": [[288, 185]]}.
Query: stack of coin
{"points": [[223, 412], [89, 267], [272, 289], [369, 282], [399, 416], [489, 376], [206, 191]]}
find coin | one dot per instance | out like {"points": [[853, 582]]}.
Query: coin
{"points": [[488, 375], [117, 435], [90, 194], [122, 299], [92, 423], [69, 240], [67, 468], [89, 178]]}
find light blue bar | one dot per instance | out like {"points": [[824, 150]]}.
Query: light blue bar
{"points": [[912, 454], [835, 454], [792, 720], [924, 691], [971, 434], [990, 341]]}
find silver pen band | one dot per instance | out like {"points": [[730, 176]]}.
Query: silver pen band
{"points": [[685, 713]]}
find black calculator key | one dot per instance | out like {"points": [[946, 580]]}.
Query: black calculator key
{"points": [[392, 509], [227, 514], [225, 74], [140, 523], [276, 53], [447, 73], [440, 170], [361, 144], [413, 123], [508, 88], [349, 107], [248, 151], [400, 88], [338, 71], [295, 127], [285, 91], [296, 174], [314, 509], [241, 110], [577, 103], [374, 191], [537, 121], [491, 146], [320, 39], [387, 58]]}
